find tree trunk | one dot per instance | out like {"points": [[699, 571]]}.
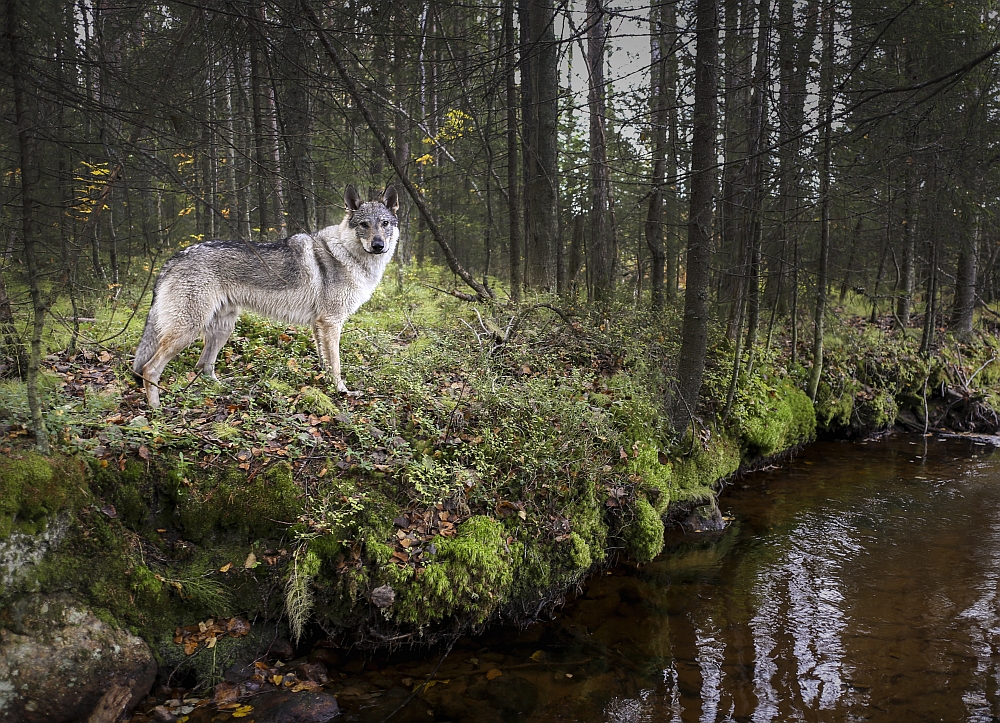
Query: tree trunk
{"points": [[694, 333], [513, 198], [737, 46], [602, 253], [964, 306], [539, 116], [753, 223], [823, 270], [794, 58], [296, 121], [671, 201], [658, 121], [904, 304], [26, 116], [260, 172]]}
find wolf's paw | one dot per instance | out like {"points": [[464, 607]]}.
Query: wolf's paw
{"points": [[342, 388]]}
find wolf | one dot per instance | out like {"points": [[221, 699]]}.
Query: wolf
{"points": [[317, 279]]}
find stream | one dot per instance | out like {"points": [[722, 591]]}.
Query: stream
{"points": [[856, 582]]}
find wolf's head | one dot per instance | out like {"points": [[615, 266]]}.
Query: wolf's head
{"points": [[373, 222]]}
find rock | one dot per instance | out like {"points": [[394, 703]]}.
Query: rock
{"points": [[282, 706], [706, 518], [162, 714], [513, 694], [315, 672], [281, 649], [383, 597], [58, 660], [330, 658], [20, 551], [238, 672]]}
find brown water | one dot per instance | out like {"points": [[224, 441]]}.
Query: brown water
{"points": [[858, 582]]}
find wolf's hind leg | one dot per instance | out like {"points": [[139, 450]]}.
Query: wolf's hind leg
{"points": [[217, 332], [170, 346]]}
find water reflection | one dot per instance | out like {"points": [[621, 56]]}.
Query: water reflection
{"points": [[864, 588]]}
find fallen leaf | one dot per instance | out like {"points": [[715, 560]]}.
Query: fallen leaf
{"points": [[494, 673], [243, 711], [250, 562], [277, 679], [226, 567], [538, 655], [144, 452]]}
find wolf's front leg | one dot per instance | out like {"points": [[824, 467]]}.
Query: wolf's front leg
{"points": [[328, 339]]}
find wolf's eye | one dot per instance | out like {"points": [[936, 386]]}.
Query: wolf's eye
{"points": [[363, 224], [385, 224]]}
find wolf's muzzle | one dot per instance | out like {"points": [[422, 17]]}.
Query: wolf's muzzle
{"points": [[378, 246]]}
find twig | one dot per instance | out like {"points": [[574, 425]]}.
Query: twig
{"points": [[427, 680], [456, 294]]}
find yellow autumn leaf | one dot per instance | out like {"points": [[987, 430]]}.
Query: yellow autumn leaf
{"points": [[243, 711], [494, 673]]}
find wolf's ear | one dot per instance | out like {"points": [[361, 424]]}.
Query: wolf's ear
{"points": [[352, 199], [390, 199]]}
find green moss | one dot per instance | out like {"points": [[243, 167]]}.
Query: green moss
{"points": [[771, 417], [314, 401], [705, 464], [656, 472], [579, 552], [877, 413], [224, 431], [644, 533], [263, 507], [802, 427], [472, 574], [33, 487], [328, 548], [833, 409]]}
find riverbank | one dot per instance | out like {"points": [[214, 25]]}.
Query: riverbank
{"points": [[495, 460]]}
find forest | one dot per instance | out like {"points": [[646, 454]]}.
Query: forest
{"points": [[759, 159], [642, 247]]}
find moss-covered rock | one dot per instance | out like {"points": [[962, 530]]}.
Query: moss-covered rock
{"points": [[33, 487], [644, 533], [701, 464], [471, 574]]}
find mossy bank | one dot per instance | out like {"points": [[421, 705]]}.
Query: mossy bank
{"points": [[492, 464]]}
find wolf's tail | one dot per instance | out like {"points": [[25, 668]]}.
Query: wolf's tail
{"points": [[147, 344]]}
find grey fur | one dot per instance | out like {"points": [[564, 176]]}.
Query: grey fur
{"points": [[317, 279]]}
